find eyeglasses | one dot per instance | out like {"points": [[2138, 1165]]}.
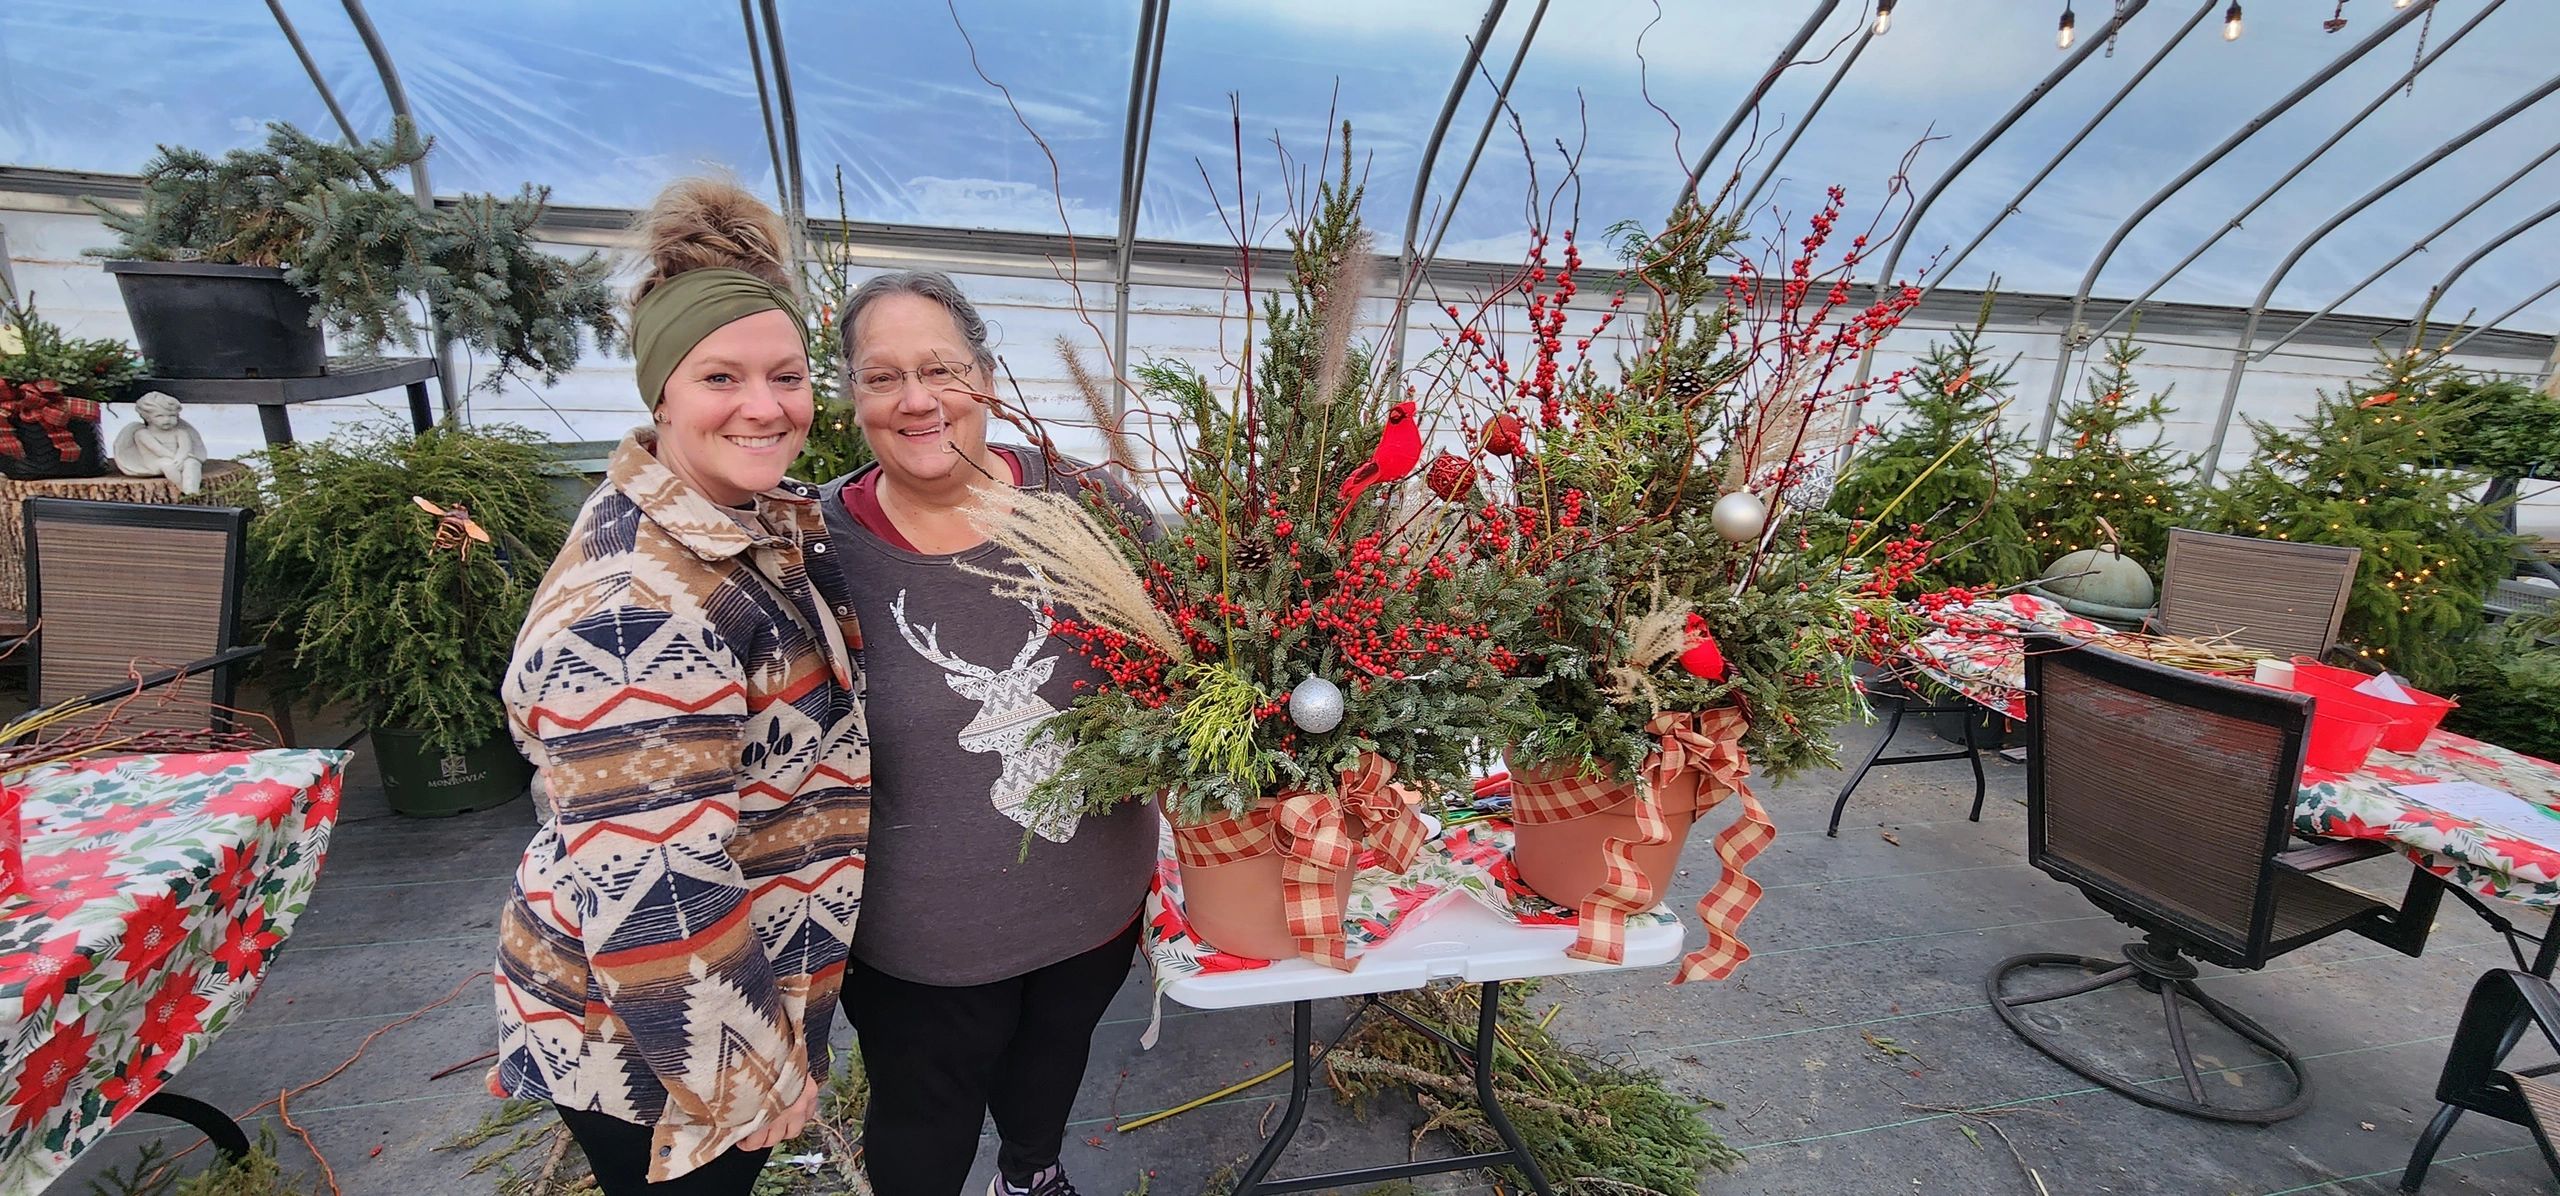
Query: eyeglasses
{"points": [[939, 377]]}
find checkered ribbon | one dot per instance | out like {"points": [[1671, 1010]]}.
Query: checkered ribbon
{"points": [[1318, 833], [1709, 742], [1601, 921], [42, 404]]}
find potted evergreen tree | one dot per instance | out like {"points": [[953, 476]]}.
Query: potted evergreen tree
{"points": [[1948, 463], [231, 266], [2366, 470], [2101, 502], [404, 609]]}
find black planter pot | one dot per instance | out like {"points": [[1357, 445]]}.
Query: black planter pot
{"points": [[201, 320], [1990, 731]]}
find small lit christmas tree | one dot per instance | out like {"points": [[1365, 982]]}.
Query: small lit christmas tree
{"points": [[2111, 463], [1949, 464], [2364, 472], [836, 445]]}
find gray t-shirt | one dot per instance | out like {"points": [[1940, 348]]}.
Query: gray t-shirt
{"points": [[959, 683]]}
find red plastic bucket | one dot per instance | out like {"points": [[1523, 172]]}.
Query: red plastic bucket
{"points": [[2341, 735], [2407, 724]]}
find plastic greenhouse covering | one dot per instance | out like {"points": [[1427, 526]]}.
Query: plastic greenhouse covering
{"points": [[934, 128]]}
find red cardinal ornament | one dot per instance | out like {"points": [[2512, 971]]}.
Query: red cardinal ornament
{"points": [[1399, 450], [1703, 658], [1502, 435]]}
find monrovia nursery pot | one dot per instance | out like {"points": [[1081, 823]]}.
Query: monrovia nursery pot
{"points": [[1237, 908], [1562, 859], [203, 320], [425, 783]]}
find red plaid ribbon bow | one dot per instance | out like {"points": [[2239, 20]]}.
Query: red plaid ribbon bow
{"points": [[1709, 742], [1537, 798], [42, 404], [1318, 833]]}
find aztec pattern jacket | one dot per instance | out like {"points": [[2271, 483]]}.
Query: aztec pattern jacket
{"points": [[673, 948]]}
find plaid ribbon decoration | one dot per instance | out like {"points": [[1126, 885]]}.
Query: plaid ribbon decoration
{"points": [[1318, 833], [1709, 742], [43, 404], [1601, 922]]}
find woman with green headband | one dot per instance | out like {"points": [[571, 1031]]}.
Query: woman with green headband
{"points": [[669, 959]]}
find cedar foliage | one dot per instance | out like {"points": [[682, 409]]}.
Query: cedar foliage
{"points": [[367, 611]]}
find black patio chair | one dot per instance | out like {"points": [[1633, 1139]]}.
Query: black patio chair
{"points": [[2503, 1005], [2279, 596], [2166, 797], [119, 590]]}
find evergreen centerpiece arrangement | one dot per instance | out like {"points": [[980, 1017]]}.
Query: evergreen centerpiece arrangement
{"points": [[326, 214], [399, 567], [1664, 506], [50, 388], [34, 354], [1316, 640], [2364, 471], [2111, 464], [1948, 464]]}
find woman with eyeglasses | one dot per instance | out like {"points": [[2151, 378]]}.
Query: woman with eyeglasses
{"points": [[980, 967]]}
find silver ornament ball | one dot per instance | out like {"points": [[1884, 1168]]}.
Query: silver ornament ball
{"points": [[1740, 516], [1316, 705], [1812, 490]]}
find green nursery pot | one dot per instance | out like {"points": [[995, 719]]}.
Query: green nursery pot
{"points": [[425, 783]]}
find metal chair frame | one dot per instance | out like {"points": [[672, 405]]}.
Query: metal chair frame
{"points": [[2503, 1006], [2165, 961]]}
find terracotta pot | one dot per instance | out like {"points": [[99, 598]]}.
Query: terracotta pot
{"points": [[1562, 860], [1236, 907]]}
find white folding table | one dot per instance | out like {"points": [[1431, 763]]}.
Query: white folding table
{"points": [[1459, 940]]}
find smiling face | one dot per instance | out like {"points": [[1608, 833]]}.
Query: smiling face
{"points": [[919, 434], [737, 409]]}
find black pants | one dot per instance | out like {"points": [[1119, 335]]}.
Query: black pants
{"points": [[940, 1060], [619, 1152]]}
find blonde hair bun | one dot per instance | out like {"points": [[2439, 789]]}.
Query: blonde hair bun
{"points": [[701, 223]]}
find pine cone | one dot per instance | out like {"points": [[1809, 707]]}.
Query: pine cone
{"points": [[1686, 385], [1252, 556], [1450, 476]]}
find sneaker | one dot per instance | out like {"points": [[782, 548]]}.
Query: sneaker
{"points": [[1051, 1182]]}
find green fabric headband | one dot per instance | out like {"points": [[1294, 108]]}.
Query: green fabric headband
{"points": [[670, 320]]}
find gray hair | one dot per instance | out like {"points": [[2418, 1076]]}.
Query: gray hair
{"points": [[155, 402], [923, 284]]}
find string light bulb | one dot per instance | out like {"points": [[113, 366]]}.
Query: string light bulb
{"points": [[1884, 17], [2231, 22], [2062, 32]]}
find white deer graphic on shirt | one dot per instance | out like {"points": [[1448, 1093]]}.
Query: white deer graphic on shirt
{"points": [[1011, 716]]}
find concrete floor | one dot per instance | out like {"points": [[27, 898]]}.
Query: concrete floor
{"points": [[1862, 942]]}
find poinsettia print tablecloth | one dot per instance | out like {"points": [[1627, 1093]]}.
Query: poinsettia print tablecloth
{"points": [[1471, 860], [158, 890], [2520, 864], [1975, 648]]}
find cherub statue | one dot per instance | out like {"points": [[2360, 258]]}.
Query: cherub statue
{"points": [[162, 445]]}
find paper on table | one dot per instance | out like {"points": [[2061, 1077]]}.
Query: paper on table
{"points": [[2492, 807], [2387, 688]]}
